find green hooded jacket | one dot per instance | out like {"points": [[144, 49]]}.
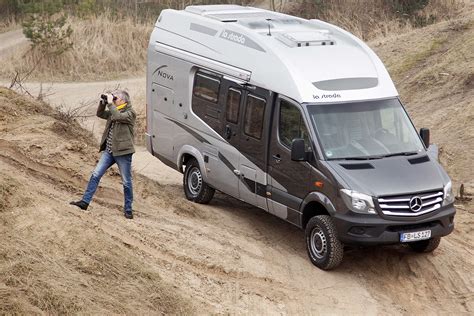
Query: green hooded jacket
{"points": [[124, 120]]}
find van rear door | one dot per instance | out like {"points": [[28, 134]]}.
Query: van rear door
{"points": [[162, 130]]}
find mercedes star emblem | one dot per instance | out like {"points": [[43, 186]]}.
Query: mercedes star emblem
{"points": [[415, 204]]}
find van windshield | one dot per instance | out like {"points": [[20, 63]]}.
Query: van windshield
{"points": [[364, 130]]}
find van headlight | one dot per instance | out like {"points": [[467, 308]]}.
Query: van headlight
{"points": [[448, 194], [358, 202]]}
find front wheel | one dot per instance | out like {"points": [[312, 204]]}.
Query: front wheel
{"points": [[324, 248], [195, 188], [425, 245]]}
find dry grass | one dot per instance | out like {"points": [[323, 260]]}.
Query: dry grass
{"points": [[369, 19], [442, 56], [53, 275], [103, 49], [420, 55]]}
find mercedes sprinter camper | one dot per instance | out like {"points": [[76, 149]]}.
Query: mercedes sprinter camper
{"points": [[297, 117]]}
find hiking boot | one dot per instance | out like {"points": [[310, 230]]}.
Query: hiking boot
{"points": [[128, 214], [80, 204]]}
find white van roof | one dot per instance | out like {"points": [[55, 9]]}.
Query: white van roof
{"points": [[306, 60]]}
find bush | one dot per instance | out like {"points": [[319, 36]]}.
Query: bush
{"points": [[49, 34], [46, 27]]}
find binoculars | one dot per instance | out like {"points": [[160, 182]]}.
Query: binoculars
{"points": [[104, 98]]}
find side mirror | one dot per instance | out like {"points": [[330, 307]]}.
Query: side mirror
{"points": [[298, 150], [425, 136]]}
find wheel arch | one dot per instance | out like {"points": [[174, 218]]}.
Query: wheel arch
{"points": [[315, 203], [188, 152]]}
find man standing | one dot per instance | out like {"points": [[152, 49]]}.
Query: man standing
{"points": [[116, 147]]}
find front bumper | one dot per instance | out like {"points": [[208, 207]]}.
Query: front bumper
{"points": [[375, 230]]}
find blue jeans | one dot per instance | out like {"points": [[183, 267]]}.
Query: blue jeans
{"points": [[125, 166]]}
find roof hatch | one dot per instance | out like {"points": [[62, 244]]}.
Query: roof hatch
{"points": [[231, 13], [212, 9], [300, 39]]}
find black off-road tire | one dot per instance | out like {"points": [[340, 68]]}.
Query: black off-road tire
{"points": [[324, 248], [428, 245], [195, 188]]}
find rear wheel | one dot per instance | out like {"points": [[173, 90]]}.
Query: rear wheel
{"points": [[195, 188], [324, 248], [425, 245]]}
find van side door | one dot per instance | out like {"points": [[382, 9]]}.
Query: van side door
{"points": [[289, 181], [254, 132], [232, 95]]}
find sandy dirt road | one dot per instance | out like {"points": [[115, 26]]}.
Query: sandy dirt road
{"points": [[11, 42], [227, 257], [84, 97]]}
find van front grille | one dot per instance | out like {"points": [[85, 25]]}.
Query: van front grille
{"points": [[412, 204]]}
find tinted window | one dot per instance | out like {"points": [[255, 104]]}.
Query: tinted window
{"points": [[291, 125], [233, 104], [254, 114], [206, 102], [206, 87]]}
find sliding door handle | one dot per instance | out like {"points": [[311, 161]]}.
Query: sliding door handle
{"points": [[228, 132]]}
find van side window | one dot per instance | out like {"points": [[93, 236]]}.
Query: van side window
{"points": [[205, 102], [206, 87], [254, 114], [291, 125], [233, 105]]}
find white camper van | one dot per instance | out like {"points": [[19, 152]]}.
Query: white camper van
{"points": [[297, 117]]}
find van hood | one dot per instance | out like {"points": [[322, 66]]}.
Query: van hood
{"points": [[391, 176]]}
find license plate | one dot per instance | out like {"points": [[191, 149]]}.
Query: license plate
{"points": [[414, 236]]}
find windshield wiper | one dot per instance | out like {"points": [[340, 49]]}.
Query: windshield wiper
{"points": [[359, 158], [408, 153]]}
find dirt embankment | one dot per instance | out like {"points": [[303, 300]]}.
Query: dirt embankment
{"points": [[433, 68], [178, 257], [52, 258]]}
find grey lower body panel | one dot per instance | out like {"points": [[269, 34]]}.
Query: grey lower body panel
{"points": [[163, 159], [168, 162]]}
